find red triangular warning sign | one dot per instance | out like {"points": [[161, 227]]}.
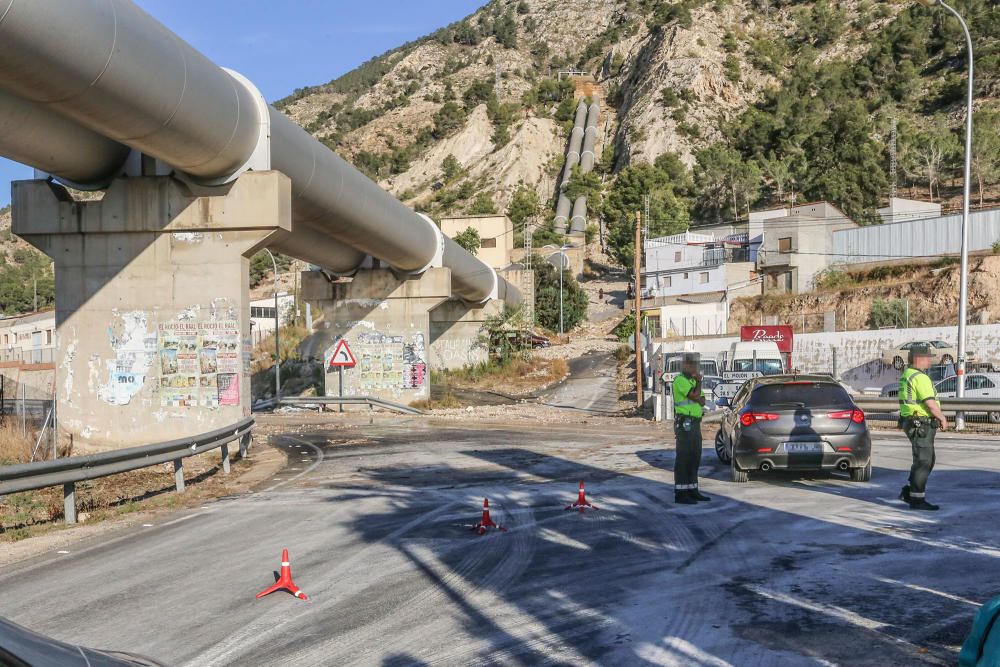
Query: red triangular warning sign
{"points": [[342, 355]]}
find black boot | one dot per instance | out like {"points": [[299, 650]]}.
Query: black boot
{"points": [[684, 498], [698, 495], [904, 494], [922, 504]]}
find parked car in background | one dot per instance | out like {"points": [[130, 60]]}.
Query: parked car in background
{"points": [[794, 422], [977, 385], [944, 353], [673, 363], [936, 373]]}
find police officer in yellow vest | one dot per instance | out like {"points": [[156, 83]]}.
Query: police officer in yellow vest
{"points": [[920, 417], [688, 410]]}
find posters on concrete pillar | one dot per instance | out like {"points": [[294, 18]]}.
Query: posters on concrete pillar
{"points": [[200, 363], [387, 364], [135, 350]]}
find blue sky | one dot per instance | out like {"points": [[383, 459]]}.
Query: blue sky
{"points": [[281, 46]]}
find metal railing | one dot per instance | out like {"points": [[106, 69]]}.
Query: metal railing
{"points": [[948, 405], [70, 470], [371, 401]]}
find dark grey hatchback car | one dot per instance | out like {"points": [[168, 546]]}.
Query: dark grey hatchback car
{"points": [[794, 422]]}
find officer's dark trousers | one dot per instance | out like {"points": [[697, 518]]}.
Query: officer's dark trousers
{"points": [[688, 456], [922, 442]]}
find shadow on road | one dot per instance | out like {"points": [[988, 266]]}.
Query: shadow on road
{"points": [[644, 580]]}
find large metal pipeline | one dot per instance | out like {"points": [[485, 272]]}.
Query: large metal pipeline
{"points": [[31, 134], [578, 222], [587, 157], [563, 204], [113, 69]]}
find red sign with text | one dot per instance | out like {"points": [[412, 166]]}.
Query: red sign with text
{"points": [[778, 333]]}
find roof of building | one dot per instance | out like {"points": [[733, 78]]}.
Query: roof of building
{"points": [[703, 297]]}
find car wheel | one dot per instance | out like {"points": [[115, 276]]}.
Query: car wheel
{"points": [[862, 474], [720, 447], [739, 476], [947, 359], [994, 417], [897, 363]]}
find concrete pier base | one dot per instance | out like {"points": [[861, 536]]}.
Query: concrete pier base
{"points": [[456, 333], [385, 320], [152, 302]]}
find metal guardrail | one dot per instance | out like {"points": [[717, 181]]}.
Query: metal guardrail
{"points": [[948, 405], [72, 469], [370, 401]]}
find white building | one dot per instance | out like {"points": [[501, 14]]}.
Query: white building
{"points": [[262, 315], [906, 210], [690, 278], [30, 338]]}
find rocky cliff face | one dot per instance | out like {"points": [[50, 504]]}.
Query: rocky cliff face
{"points": [[669, 74]]}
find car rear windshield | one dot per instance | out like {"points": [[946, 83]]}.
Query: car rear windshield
{"points": [[806, 394]]}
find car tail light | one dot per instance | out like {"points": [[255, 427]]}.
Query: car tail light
{"points": [[855, 415], [843, 449], [765, 450], [751, 418]]}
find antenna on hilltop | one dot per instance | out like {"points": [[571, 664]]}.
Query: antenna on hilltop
{"points": [[645, 216]]}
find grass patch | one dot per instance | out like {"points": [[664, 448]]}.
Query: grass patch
{"points": [[447, 401], [14, 447], [512, 376]]}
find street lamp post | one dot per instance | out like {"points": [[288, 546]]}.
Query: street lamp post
{"points": [[277, 346], [963, 284]]}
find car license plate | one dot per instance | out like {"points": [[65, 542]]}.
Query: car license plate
{"points": [[803, 447]]}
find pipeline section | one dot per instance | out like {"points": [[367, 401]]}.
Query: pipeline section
{"points": [[578, 221], [81, 80], [563, 204]]}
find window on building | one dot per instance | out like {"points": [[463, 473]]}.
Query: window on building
{"points": [[703, 278], [488, 243], [785, 244], [787, 280], [262, 312], [677, 256], [48, 337], [668, 282], [685, 276]]}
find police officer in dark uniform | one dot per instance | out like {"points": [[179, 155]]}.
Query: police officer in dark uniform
{"points": [[920, 417], [688, 410]]}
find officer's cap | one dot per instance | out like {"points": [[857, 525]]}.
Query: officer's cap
{"points": [[692, 358], [920, 350]]}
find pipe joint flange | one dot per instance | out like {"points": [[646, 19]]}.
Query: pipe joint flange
{"points": [[437, 261], [260, 157]]}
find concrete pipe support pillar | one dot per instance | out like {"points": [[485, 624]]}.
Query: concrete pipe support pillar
{"points": [[152, 302], [385, 319]]}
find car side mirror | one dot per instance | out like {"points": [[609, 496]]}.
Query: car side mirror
{"points": [[722, 402]]}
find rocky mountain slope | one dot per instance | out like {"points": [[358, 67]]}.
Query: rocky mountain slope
{"points": [[671, 74]]}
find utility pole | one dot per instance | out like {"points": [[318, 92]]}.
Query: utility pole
{"points": [[277, 325], [638, 309]]}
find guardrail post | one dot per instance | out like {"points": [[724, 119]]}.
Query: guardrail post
{"points": [[245, 445], [179, 475], [225, 458], [69, 502]]}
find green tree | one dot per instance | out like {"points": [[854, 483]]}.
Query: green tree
{"points": [[887, 313], [523, 205], [928, 153], [469, 239], [986, 149], [729, 184], [450, 167], [668, 213], [483, 205], [574, 298], [448, 118], [505, 31], [261, 266]]}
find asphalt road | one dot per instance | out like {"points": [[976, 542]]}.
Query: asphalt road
{"points": [[782, 571], [592, 385]]}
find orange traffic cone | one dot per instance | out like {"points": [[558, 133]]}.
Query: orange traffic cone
{"points": [[486, 521], [284, 581], [581, 501]]}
